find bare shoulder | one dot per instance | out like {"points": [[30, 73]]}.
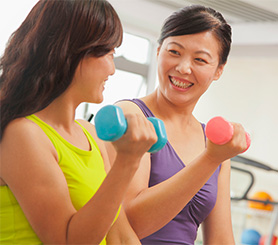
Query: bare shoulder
{"points": [[23, 131], [129, 107], [22, 141]]}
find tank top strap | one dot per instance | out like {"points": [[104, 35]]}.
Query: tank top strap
{"points": [[147, 112]]}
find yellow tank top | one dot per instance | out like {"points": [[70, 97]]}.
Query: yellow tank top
{"points": [[83, 170]]}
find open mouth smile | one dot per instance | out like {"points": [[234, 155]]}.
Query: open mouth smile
{"points": [[180, 84]]}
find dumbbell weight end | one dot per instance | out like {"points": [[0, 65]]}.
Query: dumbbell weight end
{"points": [[111, 124], [220, 131]]}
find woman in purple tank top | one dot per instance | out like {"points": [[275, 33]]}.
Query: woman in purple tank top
{"points": [[187, 182]]}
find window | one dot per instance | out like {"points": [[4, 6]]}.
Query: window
{"points": [[134, 48], [122, 85]]}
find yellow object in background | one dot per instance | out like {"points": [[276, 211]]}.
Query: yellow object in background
{"points": [[263, 196]]}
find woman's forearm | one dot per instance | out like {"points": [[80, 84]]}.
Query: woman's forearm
{"points": [[156, 206]]}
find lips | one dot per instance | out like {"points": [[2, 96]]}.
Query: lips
{"points": [[180, 84]]}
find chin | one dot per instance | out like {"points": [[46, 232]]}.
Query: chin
{"points": [[100, 100], [96, 99]]}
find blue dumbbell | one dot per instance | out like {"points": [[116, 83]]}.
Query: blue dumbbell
{"points": [[111, 124]]}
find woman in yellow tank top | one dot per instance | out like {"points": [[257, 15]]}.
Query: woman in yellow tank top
{"points": [[56, 183]]}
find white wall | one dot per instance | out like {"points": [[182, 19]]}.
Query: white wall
{"points": [[12, 13]]}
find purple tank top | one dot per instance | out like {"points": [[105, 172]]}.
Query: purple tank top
{"points": [[183, 228]]}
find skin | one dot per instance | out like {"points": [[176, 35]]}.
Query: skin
{"points": [[192, 60], [33, 178]]}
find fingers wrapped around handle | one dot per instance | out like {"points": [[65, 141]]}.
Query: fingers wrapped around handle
{"points": [[220, 131], [111, 125]]}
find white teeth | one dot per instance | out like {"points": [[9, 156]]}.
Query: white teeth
{"points": [[180, 84]]}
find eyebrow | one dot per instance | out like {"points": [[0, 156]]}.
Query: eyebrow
{"points": [[176, 44], [197, 52], [204, 52]]}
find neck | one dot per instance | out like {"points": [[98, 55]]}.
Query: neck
{"points": [[168, 110], [59, 114]]}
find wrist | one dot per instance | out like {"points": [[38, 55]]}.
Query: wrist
{"points": [[127, 161], [211, 158]]}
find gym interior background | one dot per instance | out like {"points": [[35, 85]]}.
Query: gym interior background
{"points": [[246, 92]]}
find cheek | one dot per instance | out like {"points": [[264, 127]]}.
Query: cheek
{"points": [[206, 82], [164, 66], [206, 76]]}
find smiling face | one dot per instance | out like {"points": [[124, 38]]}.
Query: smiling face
{"points": [[187, 65], [91, 75]]}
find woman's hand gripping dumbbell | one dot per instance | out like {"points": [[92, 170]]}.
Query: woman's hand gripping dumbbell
{"points": [[111, 125], [219, 131]]}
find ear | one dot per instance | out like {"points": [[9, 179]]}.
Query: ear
{"points": [[219, 72], [158, 50]]}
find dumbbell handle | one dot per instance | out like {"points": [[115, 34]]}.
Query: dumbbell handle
{"points": [[220, 131], [111, 125]]}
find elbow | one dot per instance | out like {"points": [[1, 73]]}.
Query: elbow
{"points": [[138, 223]]}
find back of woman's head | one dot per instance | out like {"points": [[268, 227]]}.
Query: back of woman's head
{"points": [[43, 53], [195, 19]]}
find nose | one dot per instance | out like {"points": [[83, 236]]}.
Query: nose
{"points": [[184, 67]]}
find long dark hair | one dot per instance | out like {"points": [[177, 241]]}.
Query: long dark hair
{"points": [[195, 19], [42, 55]]}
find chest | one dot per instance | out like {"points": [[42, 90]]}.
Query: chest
{"points": [[187, 145], [165, 164], [84, 173], [76, 138]]}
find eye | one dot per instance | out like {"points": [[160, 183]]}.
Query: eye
{"points": [[112, 54], [201, 60], [175, 52]]}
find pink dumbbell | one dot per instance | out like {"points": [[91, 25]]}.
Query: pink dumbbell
{"points": [[219, 131]]}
